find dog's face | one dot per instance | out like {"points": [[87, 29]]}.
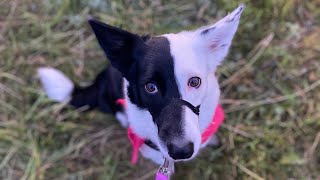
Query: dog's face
{"points": [[167, 76]]}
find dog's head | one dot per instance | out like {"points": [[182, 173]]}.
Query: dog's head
{"points": [[167, 76]]}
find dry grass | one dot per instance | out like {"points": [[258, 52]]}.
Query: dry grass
{"points": [[270, 84]]}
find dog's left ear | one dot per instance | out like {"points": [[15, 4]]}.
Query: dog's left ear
{"points": [[214, 41], [121, 47]]}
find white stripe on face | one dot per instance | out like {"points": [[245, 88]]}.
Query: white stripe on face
{"points": [[186, 66]]}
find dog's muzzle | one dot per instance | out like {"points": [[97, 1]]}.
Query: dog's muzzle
{"points": [[183, 150]]}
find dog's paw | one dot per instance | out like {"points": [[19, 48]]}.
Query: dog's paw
{"points": [[57, 86]]}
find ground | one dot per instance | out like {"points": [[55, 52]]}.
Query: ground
{"points": [[270, 90]]}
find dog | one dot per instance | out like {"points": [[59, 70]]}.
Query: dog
{"points": [[163, 88]]}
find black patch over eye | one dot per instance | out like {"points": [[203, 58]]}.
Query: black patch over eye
{"points": [[151, 88], [194, 82]]}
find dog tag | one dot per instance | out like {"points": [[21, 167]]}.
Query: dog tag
{"points": [[165, 170]]}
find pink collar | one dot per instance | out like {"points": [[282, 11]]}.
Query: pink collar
{"points": [[137, 141]]}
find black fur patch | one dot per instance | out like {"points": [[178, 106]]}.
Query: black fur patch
{"points": [[121, 47], [102, 94], [157, 67]]}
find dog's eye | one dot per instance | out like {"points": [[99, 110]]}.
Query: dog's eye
{"points": [[151, 88], [194, 82]]}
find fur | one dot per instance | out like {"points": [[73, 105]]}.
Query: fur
{"points": [[57, 86]]}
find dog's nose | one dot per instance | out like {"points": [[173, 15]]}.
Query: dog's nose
{"points": [[176, 151]]}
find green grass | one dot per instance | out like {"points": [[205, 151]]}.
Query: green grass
{"points": [[270, 90]]}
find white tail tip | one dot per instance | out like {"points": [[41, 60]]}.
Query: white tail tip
{"points": [[57, 86]]}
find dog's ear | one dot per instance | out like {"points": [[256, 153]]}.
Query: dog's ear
{"points": [[121, 47], [214, 41]]}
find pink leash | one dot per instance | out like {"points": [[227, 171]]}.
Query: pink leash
{"points": [[135, 140], [136, 143], [214, 124], [164, 171], [161, 176]]}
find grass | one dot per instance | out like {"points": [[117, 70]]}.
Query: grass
{"points": [[270, 90]]}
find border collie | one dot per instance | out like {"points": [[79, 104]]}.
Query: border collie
{"points": [[163, 88]]}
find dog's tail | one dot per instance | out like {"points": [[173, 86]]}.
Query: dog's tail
{"points": [[57, 86], [60, 88], [103, 93]]}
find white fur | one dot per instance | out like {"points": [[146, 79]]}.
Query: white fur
{"points": [[152, 154], [213, 46], [188, 65], [140, 120], [57, 86], [142, 123], [210, 102], [155, 156], [123, 119], [191, 130]]}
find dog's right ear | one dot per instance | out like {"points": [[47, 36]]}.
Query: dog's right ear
{"points": [[121, 47], [215, 40]]}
